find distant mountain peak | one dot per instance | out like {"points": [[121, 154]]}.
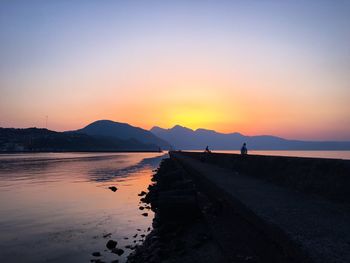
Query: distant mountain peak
{"points": [[179, 127], [156, 128], [124, 131], [236, 134], [205, 130], [107, 122]]}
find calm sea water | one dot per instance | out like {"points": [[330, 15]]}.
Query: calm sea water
{"points": [[56, 207]]}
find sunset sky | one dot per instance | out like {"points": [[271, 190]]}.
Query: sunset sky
{"points": [[255, 67]]}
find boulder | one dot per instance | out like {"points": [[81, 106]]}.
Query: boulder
{"points": [[113, 188], [118, 251], [111, 244]]}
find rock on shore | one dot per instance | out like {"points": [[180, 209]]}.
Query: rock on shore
{"points": [[180, 233]]}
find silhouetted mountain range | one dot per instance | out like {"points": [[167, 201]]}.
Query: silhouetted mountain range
{"points": [[34, 139], [186, 139], [105, 135], [122, 131]]}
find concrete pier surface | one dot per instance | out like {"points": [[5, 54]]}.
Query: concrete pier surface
{"points": [[288, 199]]}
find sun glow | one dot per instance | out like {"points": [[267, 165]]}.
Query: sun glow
{"points": [[227, 67], [194, 117]]}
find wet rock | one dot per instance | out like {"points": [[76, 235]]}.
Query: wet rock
{"points": [[107, 235], [197, 244], [118, 251], [113, 188], [96, 254], [131, 247], [174, 190], [134, 236], [178, 205], [154, 238], [248, 258], [111, 244], [142, 193]]}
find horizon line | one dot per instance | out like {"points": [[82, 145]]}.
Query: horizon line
{"points": [[173, 126]]}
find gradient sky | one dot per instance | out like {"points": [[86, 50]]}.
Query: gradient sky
{"points": [[255, 67]]}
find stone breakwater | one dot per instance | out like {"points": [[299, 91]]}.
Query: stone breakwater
{"points": [[196, 222], [329, 178], [299, 204]]}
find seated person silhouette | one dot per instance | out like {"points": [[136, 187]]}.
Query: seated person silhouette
{"points": [[244, 149], [207, 149]]}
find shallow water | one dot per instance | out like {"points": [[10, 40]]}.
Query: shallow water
{"points": [[56, 207]]}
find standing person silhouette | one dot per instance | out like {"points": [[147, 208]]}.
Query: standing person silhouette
{"points": [[244, 149]]}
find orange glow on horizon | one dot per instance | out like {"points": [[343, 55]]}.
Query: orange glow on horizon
{"points": [[237, 66]]}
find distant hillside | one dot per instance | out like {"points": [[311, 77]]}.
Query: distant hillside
{"points": [[184, 138], [34, 139], [123, 131]]}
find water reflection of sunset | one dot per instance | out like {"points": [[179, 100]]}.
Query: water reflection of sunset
{"points": [[63, 203]]}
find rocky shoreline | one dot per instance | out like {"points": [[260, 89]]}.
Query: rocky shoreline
{"points": [[193, 224], [179, 231]]}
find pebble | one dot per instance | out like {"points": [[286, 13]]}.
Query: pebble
{"points": [[113, 188], [130, 247], [111, 244], [96, 254], [118, 251], [107, 235], [142, 193]]}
